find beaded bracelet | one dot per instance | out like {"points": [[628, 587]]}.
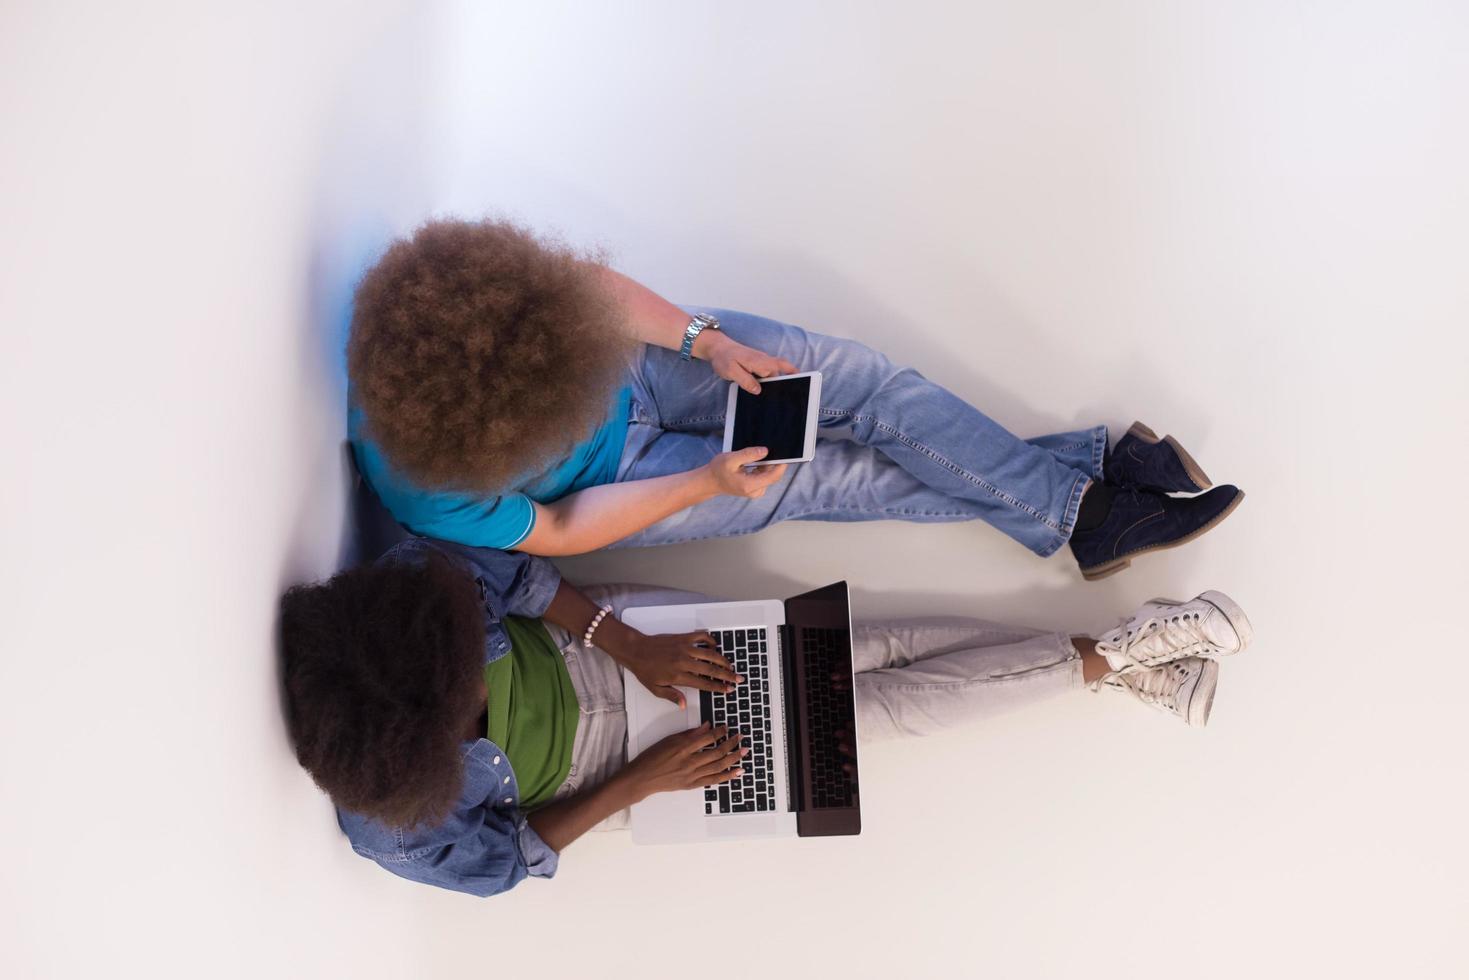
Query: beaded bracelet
{"points": [[586, 638]]}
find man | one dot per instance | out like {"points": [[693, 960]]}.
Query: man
{"points": [[509, 392], [463, 707]]}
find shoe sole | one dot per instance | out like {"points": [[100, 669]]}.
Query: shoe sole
{"points": [[1190, 466], [1201, 699], [1238, 621], [1118, 564]]}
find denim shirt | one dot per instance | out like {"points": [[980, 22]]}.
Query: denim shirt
{"points": [[485, 846]]}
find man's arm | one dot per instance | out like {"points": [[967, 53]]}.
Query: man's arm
{"points": [[597, 516], [654, 320]]}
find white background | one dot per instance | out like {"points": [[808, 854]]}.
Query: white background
{"points": [[1242, 223]]}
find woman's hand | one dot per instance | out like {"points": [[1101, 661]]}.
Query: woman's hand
{"points": [[735, 362], [702, 756], [666, 662]]}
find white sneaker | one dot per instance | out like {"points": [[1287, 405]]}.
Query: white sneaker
{"points": [[1210, 625], [1183, 688]]}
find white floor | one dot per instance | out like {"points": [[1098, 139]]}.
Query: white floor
{"points": [[1244, 224]]}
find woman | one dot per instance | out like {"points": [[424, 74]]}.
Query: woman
{"points": [[510, 393], [446, 700]]}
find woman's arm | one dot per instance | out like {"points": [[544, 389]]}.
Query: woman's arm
{"points": [[597, 516], [654, 320], [661, 663], [702, 756], [562, 822]]}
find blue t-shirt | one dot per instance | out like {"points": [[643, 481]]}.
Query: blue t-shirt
{"points": [[491, 521]]}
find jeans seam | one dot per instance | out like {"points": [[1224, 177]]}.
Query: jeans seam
{"points": [[669, 423], [906, 512], [800, 516], [1073, 508], [1028, 672], [957, 470], [1099, 450], [1065, 648]]}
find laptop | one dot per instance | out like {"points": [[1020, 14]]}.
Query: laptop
{"points": [[796, 658]]}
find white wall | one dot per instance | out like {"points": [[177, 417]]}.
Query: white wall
{"points": [[1244, 224], [185, 193]]}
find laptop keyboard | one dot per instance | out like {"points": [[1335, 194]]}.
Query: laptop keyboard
{"points": [[824, 652], [747, 711]]}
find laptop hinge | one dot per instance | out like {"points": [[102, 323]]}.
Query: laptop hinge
{"points": [[791, 718]]}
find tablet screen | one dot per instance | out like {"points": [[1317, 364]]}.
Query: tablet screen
{"points": [[775, 418]]}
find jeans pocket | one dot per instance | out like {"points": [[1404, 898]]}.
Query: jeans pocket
{"points": [[570, 786]]}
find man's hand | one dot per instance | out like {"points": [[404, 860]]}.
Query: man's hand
{"points": [[735, 362], [702, 756], [730, 476], [667, 662]]}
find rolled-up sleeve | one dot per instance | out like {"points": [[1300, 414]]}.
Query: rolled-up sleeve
{"points": [[486, 859], [539, 860], [485, 846], [498, 855]]}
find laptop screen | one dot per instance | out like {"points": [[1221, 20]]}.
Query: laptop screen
{"points": [[824, 751]]}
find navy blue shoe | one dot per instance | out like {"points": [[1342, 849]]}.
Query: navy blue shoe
{"points": [[1141, 521], [1140, 459]]}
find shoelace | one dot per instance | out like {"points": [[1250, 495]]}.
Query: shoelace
{"points": [[1155, 685], [1194, 642]]}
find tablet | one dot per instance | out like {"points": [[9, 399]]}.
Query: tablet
{"points": [[782, 418]]}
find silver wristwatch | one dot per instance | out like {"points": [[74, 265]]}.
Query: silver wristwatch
{"points": [[697, 325]]}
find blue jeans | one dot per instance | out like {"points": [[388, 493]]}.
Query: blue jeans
{"points": [[893, 446]]}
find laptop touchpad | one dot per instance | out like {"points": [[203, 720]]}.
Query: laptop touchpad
{"points": [[658, 718]]}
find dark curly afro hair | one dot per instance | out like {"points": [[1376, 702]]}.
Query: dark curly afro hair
{"points": [[480, 353], [380, 666]]}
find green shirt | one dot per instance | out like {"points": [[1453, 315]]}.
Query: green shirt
{"points": [[533, 710]]}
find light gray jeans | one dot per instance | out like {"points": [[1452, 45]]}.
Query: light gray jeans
{"points": [[914, 677]]}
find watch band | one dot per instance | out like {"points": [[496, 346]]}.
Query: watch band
{"points": [[697, 325]]}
